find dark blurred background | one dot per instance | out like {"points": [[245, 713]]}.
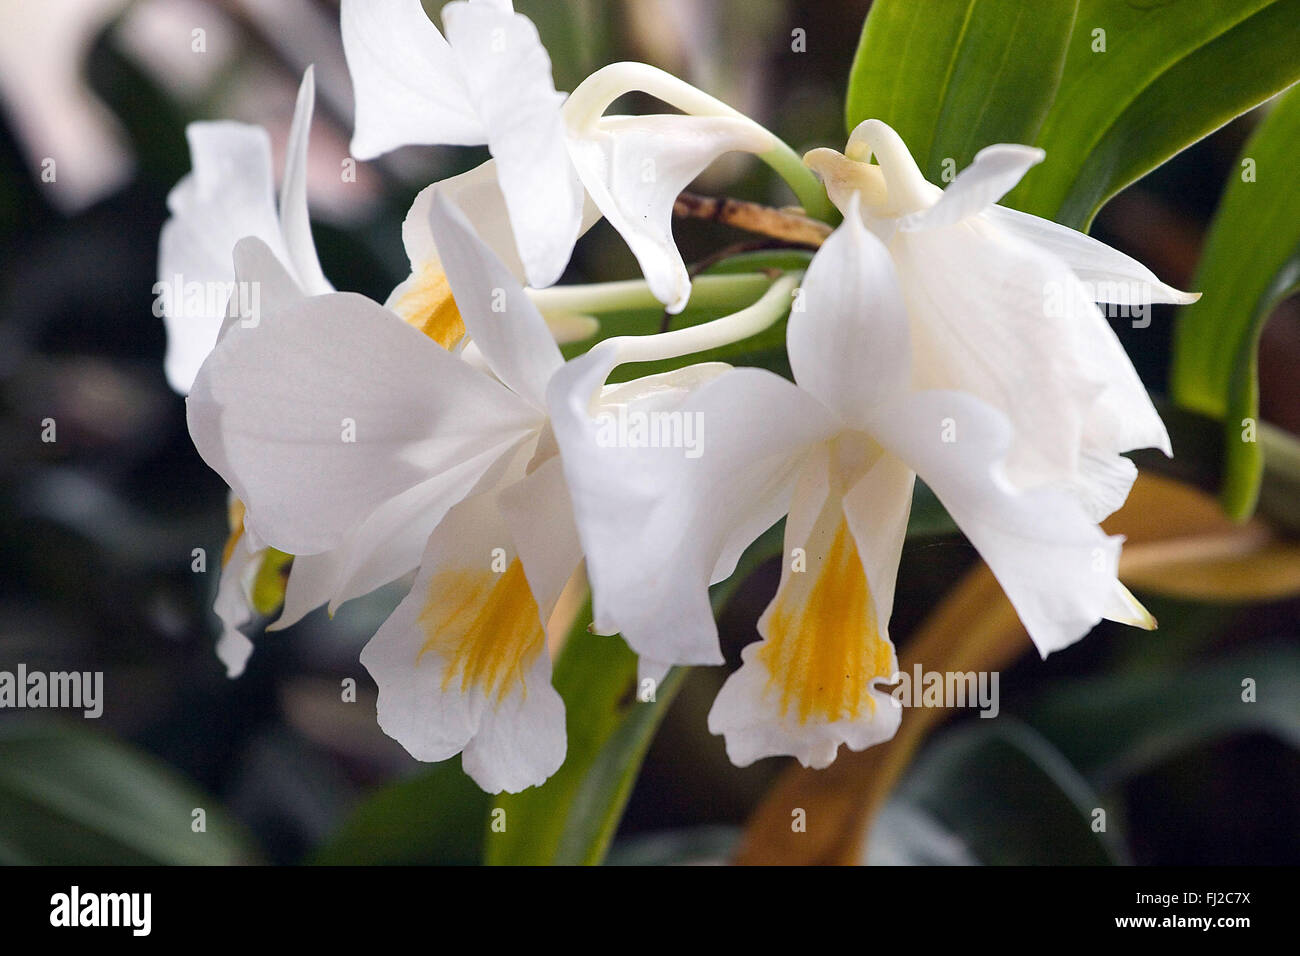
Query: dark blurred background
{"points": [[97, 528]]}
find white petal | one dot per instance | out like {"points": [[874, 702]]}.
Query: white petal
{"points": [[811, 683], [1110, 275], [478, 195], [847, 335], [390, 541], [1102, 482], [326, 410], [508, 74], [1123, 417], [229, 195], [408, 86], [877, 507], [539, 514], [387, 545], [634, 167], [436, 697], [500, 319], [990, 176], [982, 322], [655, 522], [521, 741], [233, 607], [1054, 563], [263, 286], [310, 585], [294, 220]]}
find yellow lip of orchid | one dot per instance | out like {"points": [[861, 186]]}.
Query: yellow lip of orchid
{"points": [[823, 647], [425, 302], [485, 625]]}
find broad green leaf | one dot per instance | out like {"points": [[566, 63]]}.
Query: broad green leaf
{"points": [[1010, 797], [953, 76], [1109, 88], [1250, 263], [1168, 74], [436, 817], [572, 818], [1114, 726], [72, 796]]}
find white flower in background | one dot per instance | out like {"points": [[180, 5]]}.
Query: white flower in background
{"points": [[53, 111], [206, 286], [1001, 304], [839, 452], [361, 444], [230, 195], [489, 82]]}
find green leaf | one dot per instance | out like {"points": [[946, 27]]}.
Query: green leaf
{"points": [[1010, 797], [953, 76], [437, 817], [1171, 73], [70, 796], [572, 818], [1250, 263], [1114, 726]]}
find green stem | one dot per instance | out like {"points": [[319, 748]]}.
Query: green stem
{"points": [[724, 291]]}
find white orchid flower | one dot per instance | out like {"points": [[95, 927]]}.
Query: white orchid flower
{"points": [[230, 194], [211, 282], [488, 81], [367, 449], [1002, 305], [838, 452], [204, 288]]}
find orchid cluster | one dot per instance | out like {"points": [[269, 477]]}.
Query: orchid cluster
{"points": [[442, 433]]}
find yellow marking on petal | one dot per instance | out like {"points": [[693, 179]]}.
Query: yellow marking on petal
{"points": [[823, 646], [486, 625], [271, 580], [428, 305], [235, 517]]}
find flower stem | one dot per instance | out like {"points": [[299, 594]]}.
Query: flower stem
{"points": [[774, 303], [597, 298]]}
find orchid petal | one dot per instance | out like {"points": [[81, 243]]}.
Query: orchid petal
{"points": [[847, 334], [634, 167], [990, 176], [294, 221], [508, 76], [408, 84], [326, 410], [1110, 275], [229, 195], [1056, 566], [448, 681], [500, 319]]}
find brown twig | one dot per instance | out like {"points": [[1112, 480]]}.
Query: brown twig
{"points": [[786, 225]]}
